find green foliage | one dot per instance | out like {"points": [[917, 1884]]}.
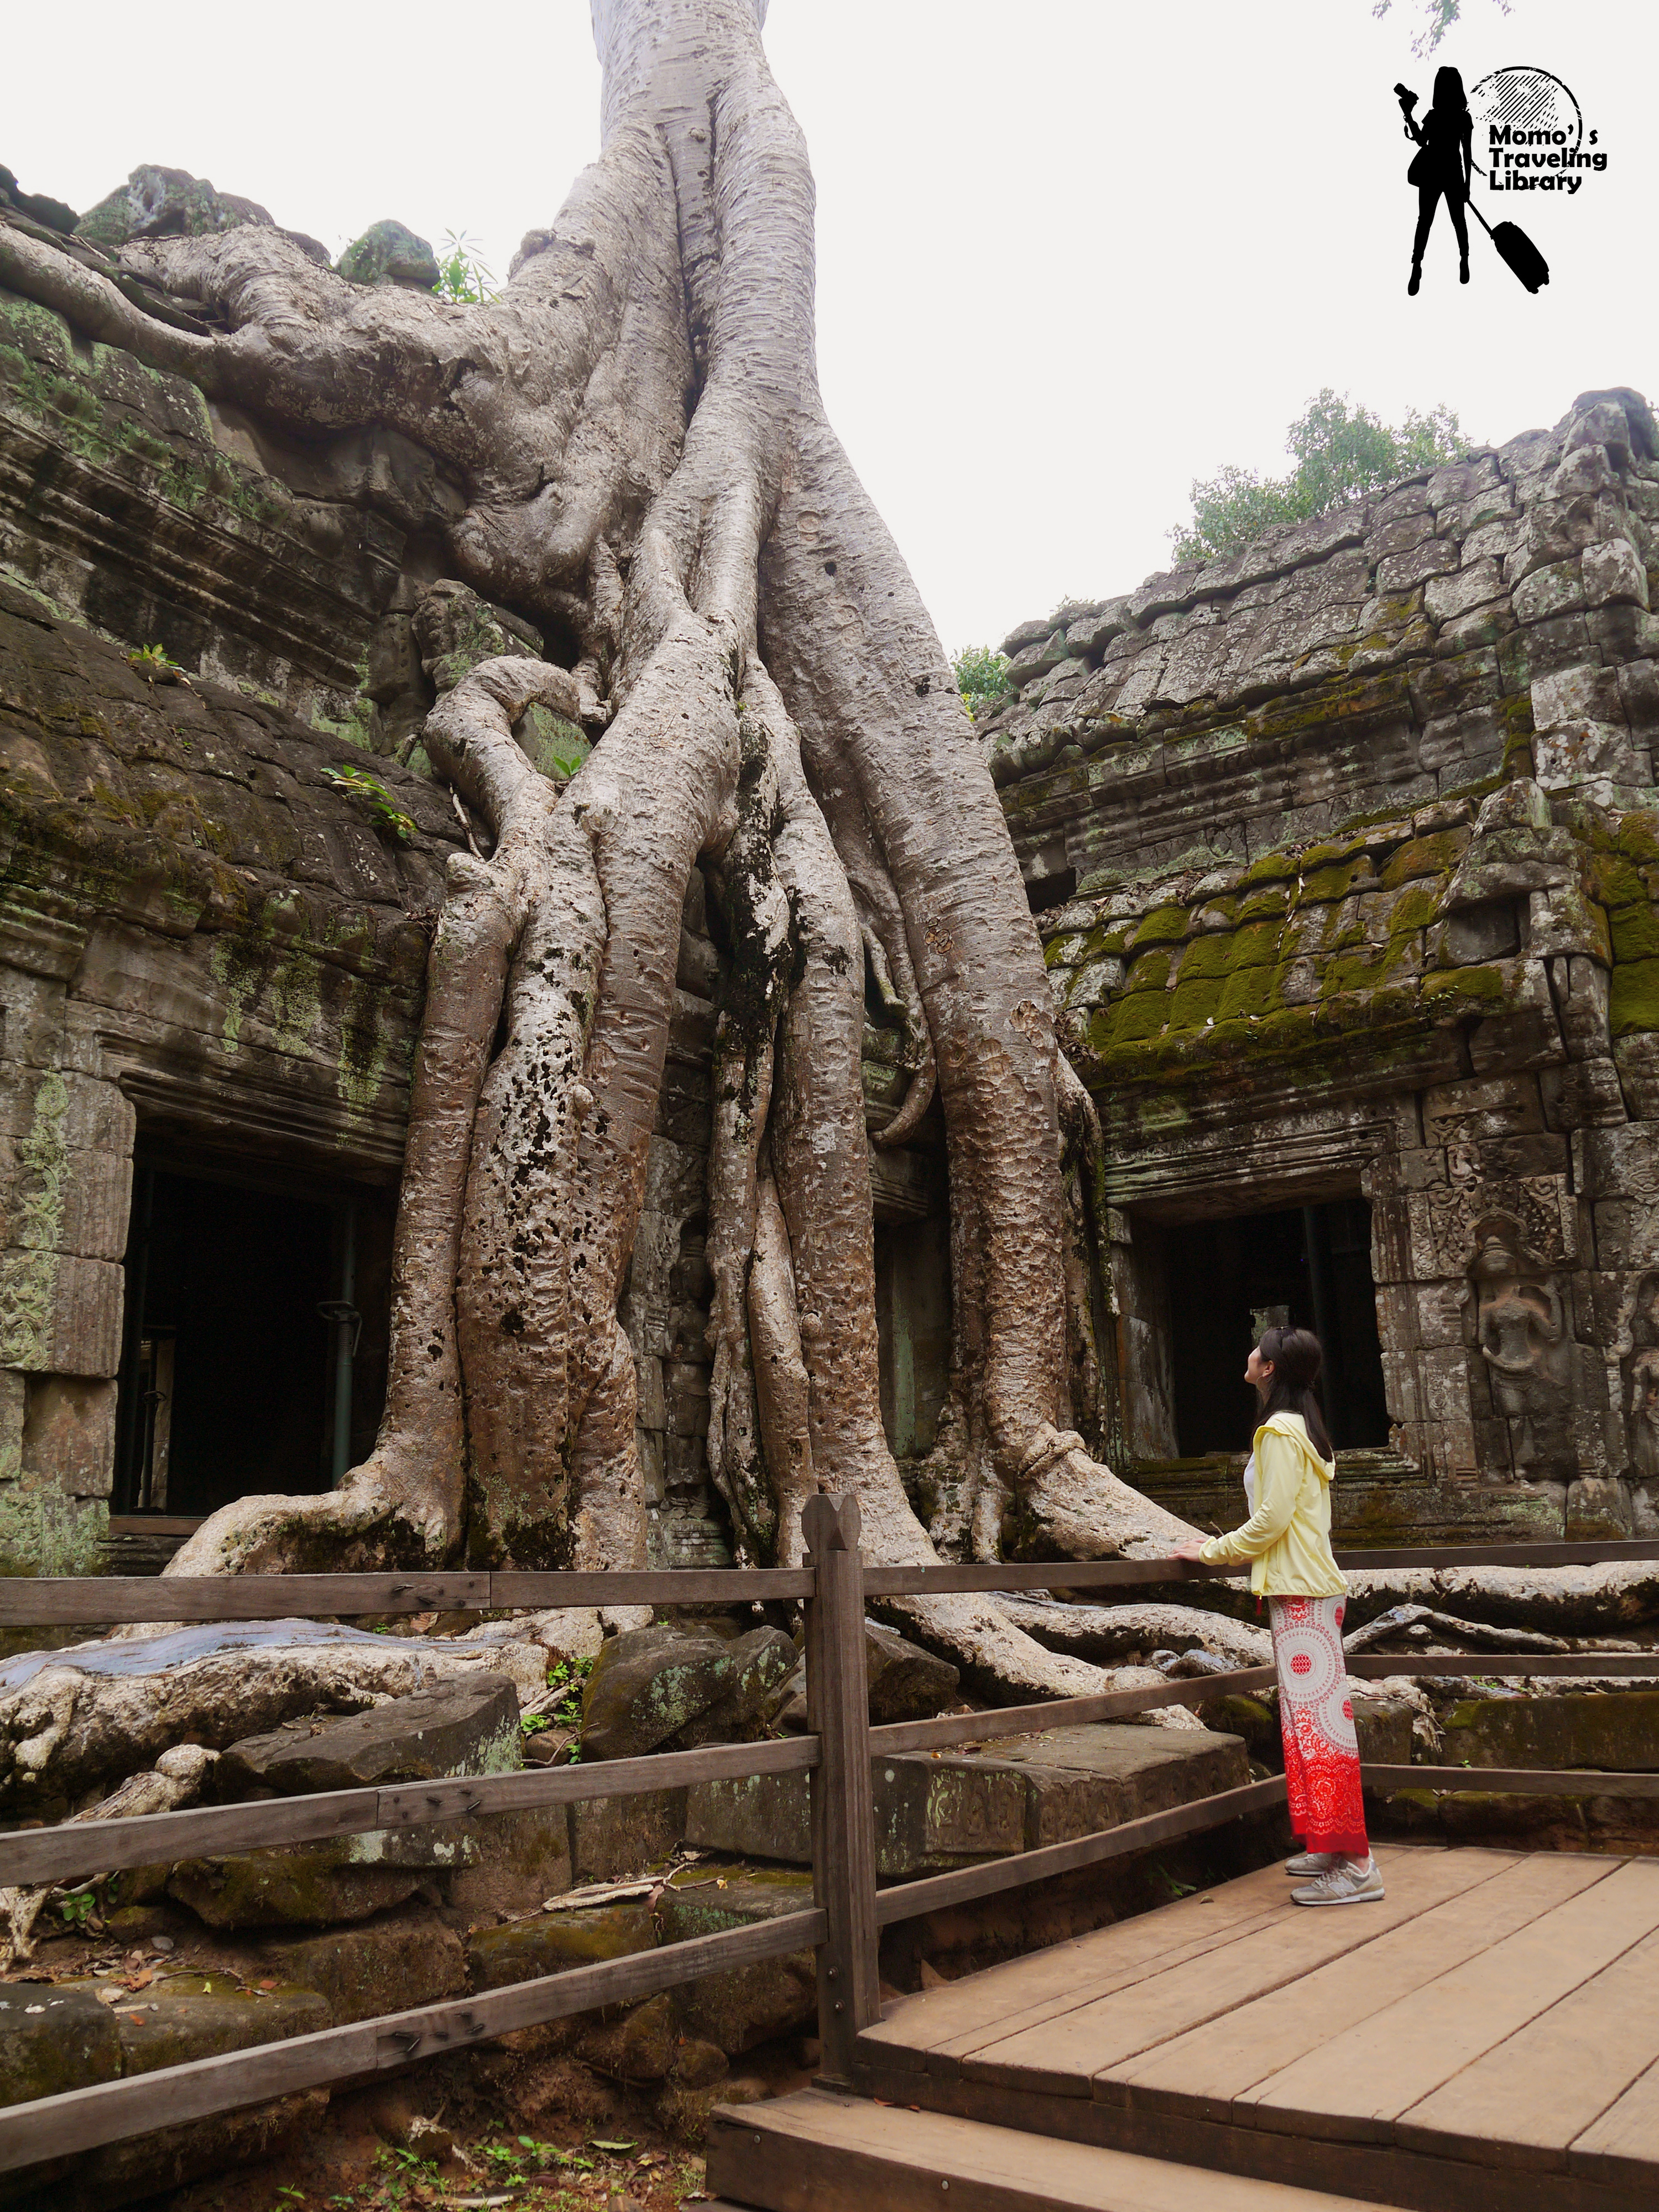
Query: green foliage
{"points": [[156, 666], [981, 677], [1341, 453], [1439, 15], [462, 276], [389, 818], [78, 1907]]}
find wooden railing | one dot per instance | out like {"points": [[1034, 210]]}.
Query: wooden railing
{"points": [[849, 1909]]}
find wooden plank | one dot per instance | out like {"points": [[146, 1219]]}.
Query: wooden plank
{"points": [[1526, 2100], [410, 1805], [1361, 2079], [1623, 2145], [1365, 1665], [1501, 1555], [1061, 1712], [50, 1601], [1384, 2174], [1513, 1781], [1486, 1896], [1064, 1574], [1068, 2056], [1103, 1574], [112, 2111], [652, 1586], [78, 1848], [813, 2153], [842, 1802], [905, 1899], [1018, 1991]]}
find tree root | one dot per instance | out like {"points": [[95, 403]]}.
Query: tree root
{"points": [[636, 432]]}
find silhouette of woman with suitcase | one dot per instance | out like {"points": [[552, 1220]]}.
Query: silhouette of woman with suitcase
{"points": [[1442, 166]]}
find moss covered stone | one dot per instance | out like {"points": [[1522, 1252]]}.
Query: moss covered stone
{"points": [[1435, 855], [1633, 999]]}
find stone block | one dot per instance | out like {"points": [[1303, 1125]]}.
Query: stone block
{"points": [[1383, 1726], [1613, 575], [1547, 592], [14, 1397], [54, 2037], [463, 1727], [906, 1682], [935, 1813], [648, 1684], [518, 1858], [1596, 759], [610, 1836], [1638, 694], [1496, 1106], [1616, 1731], [386, 1965], [736, 2011], [1403, 572], [584, 1936], [1637, 1058], [762, 1663], [68, 1434], [311, 1886], [59, 1315], [1083, 1779], [1618, 1163], [752, 1816], [1447, 597], [185, 2018], [1586, 693]]}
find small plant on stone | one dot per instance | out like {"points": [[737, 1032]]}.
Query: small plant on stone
{"points": [[981, 678], [156, 666], [77, 1909], [390, 819]]}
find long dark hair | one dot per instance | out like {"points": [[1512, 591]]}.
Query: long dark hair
{"points": [[1295, 1357], [1450, 100]]}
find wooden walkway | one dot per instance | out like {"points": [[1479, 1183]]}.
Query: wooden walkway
{"points": [[1486, 2039]]}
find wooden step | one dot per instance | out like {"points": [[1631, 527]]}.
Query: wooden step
{"points": [[818, 2152]]}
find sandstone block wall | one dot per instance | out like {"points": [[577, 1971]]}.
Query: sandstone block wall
{"points": [[1346, 858]]}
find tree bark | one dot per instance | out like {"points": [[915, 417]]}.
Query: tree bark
{"points": [[646, 461]]}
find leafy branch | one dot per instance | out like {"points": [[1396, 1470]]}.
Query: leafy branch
{"points": [[390, 819]]}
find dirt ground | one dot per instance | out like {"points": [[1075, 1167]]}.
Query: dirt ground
{"points": [[351, 2159]]}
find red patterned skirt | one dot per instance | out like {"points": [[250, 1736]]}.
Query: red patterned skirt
{"points": [[1316, 1718]]}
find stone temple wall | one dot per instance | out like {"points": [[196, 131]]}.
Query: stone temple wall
{"points": [[1346, 857], [212, 955]]}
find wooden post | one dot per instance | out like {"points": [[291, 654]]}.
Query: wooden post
{"points": [[843, 1817]]}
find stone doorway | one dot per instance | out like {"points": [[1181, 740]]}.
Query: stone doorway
{"points": [[253, 1350], [1304, 1267]]}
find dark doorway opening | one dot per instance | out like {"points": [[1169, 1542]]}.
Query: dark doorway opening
{"points": [[244, 1341], [1306, 1267]]}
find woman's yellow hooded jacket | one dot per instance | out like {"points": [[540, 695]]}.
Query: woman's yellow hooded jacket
{"points": [[1287, 1537]]}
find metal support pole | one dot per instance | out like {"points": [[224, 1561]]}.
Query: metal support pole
{"points": [[843, 1816]]}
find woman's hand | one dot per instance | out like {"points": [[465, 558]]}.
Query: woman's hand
{"points": [[1191, 1550]]}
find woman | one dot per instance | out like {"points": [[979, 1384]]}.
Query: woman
{"points": [[1443, 167], [1287, 1540]]}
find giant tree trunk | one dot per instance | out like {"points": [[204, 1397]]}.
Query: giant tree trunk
{"points": [[648, 467]]}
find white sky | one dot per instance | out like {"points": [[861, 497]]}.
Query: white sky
{"points": [[1072, 252]]}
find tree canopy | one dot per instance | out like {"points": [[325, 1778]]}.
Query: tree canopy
{"points": [[1341, 451]]}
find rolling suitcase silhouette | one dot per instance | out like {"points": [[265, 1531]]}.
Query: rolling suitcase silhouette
{"points": [[1517, 249]]}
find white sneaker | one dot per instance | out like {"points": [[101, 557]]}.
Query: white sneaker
{"points": [[1308, 1862], [1350, 1881]]}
